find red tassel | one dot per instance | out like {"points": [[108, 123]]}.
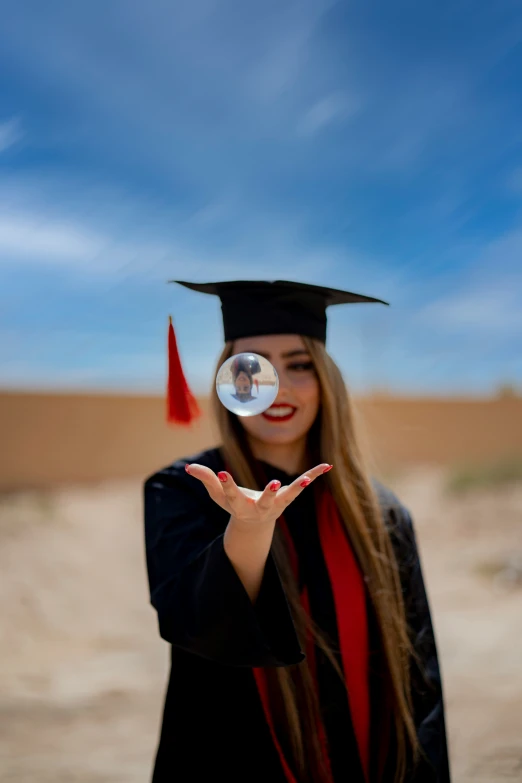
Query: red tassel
{"points": [[182, 407]]}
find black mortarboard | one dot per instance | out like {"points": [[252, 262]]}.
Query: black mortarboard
{"points": [[252, 307], [247, 363]]}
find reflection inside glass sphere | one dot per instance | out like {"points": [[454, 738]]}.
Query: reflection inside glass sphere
{"points": [[247, 384]]}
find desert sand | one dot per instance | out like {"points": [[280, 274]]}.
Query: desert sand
{"points": [[82, 668]]}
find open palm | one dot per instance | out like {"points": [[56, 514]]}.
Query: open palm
{"points": [[250, 505]]}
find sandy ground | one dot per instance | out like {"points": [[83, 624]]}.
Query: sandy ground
{"points": [[82, 669]]}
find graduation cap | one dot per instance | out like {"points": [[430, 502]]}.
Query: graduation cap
{"points": [[246, 364], [251, 308]]}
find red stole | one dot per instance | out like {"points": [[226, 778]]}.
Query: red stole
{"points": [[352, 623]]}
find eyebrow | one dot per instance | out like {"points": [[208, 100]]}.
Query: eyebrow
{"points": [[287, 355]]}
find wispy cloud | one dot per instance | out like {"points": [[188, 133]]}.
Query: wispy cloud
{"points": [[514, 180], [326, 111], [308, 139], [277, 65], [35, 237], [487, 300], [85, 235], [492, 310], [10, 133]]}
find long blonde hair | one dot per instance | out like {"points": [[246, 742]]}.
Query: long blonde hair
{"points": [[332, 439]]}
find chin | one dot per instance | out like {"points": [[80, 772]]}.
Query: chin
{"points": [[280, 438]]}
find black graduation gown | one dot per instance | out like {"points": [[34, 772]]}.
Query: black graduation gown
{"points": [[213, 723]]}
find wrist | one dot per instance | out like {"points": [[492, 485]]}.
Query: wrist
{"points": [[254, 530]]}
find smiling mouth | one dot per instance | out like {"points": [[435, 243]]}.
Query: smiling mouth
{"points": [[279, 413]]}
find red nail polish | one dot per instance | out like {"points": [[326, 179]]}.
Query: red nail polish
{"points": [[222, 476], [328, 467], [305, 482], [187, 468], [274, 486]]}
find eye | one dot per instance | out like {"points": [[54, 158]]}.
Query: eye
{"points": [[301, 366]]}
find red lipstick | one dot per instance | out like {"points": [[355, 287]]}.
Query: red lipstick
{"points": [[279, 417]]}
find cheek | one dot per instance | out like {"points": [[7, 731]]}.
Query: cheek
{"points": [[307, 396]]}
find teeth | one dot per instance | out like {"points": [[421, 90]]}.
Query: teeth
{"points": [[280, 412]]}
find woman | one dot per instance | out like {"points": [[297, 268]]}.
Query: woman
{"points": [[243, 386], [292, 594], [242, 377]]}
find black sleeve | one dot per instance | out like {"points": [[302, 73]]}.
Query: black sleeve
{"points": [[201, 603], [426, 680]]}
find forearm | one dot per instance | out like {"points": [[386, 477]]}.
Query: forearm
{"points": [[247, 547]]}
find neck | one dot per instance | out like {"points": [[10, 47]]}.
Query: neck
{"points": [[290, 457]]}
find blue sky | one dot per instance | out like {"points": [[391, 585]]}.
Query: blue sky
{"points": [[371, 146]]}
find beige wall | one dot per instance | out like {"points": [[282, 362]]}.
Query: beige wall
{"points": [[50, 439]]}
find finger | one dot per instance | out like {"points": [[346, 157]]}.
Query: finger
{"points": [[287, 494], [209, 479], [268, 496], [229, 486]]}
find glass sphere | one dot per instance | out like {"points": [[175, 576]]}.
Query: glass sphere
{"points": [[247, 384]]}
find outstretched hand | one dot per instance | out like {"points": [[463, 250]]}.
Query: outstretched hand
{"points": [[251, 506]]}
